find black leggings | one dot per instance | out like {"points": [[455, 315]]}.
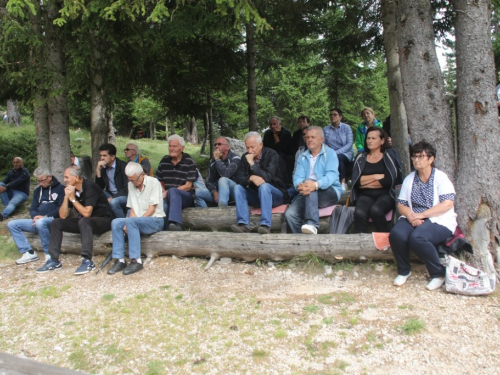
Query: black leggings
{"points": [[372, 208]]}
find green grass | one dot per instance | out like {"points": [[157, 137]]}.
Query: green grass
{"points": [[259, 353], [108, 297], [311, 309], [413, 326]]}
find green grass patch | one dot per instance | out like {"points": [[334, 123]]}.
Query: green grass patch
{"points": [[311, 309], [413, 326], [259, 353], [156, 368], [280, 333], [108, 297], [79, 360]]}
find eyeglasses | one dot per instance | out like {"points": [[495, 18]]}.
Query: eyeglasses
{"points": [[220, 144], [419, 157], [43, 180], [137, 179], [128, 149]]}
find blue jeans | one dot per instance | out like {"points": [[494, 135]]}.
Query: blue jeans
{"points": [[118, 205], [175, 202], [135, 227], [41, 226], [266, 198], [226, 194], [422, 240], [304, 209], [11, 199]]}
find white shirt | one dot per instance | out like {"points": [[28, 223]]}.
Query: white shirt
{"points": [[150, 195]]}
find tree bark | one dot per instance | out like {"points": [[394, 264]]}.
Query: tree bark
{"points": [[478, 180], [99, 128], [210, 124], [251, 79], [40, 114], [205, 129], [13, 112], [57, 102], [190, 131], [399, 125], [427, 110]]}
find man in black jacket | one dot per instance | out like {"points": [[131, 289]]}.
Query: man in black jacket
{"points": [[260, 184], [110, 176], [15, 188], [47, 198]]}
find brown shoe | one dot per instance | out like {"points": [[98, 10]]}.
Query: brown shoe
{"points": [[264, 230], [240, 228]]}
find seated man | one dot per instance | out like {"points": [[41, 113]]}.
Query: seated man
{"points": [[132, 154], [94, 217], [260, 184], [279, 139], [177, 173], [220, 179], [113, 181], [297, 137], [15, 188], [47, 198], [146, 217], [338, 136], [316, 179]]}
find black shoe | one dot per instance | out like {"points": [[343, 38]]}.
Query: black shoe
{"points": [[117, 267], [240, 228], [264, 230], [174, 227], [133, 267], [1, 216]]}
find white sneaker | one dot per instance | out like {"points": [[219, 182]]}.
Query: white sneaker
{"points": [[27, 257], [309, 229], [400, 280], [344, 186], [47, 258], [435, 283]]}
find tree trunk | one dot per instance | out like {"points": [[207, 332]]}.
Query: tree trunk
{"points": [[40, 114], [190, 131], [111, 123], [211, 139], [399, 125], [99, 128], [13, 112], [57, 102], [251, 80], [478, 180], [427, 110], [205, 129], [172, 124], [166, 127]]}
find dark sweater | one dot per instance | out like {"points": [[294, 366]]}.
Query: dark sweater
{"points": [[18, 179], [46, 201]]}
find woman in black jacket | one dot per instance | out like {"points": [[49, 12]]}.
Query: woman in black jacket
{"points": [[375, 175]]}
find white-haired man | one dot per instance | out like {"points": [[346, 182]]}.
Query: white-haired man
{"points": [[177, 173], [260, 184], [145, 201]]}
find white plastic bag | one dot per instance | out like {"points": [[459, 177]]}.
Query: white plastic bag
{"points": [[464, 279]]}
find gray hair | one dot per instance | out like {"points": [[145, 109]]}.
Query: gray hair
{"points": [[133, 168], [178, 138], [319, 129], [135, 146], [75, 171], [254, 134], [225, 139], [17, 157], [42, 171], [274, 117]]}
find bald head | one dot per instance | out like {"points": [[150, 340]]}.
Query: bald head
{"points": [[18, 162]]}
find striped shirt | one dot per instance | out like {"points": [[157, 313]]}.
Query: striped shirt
{"points": [[171, 175]]}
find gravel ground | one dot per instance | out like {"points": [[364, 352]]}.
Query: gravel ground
{"points": [[176, 318]]}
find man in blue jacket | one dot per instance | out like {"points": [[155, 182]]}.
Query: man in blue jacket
{"points": [[316, 178], [47, 198], [15, 188]]}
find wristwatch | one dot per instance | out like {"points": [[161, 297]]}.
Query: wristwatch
{"points": [[317, 186], [73, 201]]}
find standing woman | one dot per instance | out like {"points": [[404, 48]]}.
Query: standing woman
{"points": [[375, 175], [427, 217], [369, 120]]}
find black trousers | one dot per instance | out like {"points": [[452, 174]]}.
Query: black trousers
{"points": [[374, 208], [86, 226]]}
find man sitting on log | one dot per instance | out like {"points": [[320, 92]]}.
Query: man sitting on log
{"points": [[220, 179], [15, 188], [316, 178], [110, 176], [47, 198], [132, 154], [145, 201], [260, 184], [93, 215], [177, 173]]}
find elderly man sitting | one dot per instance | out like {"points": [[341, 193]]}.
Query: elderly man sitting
{"points": [[316, 178], [146, 217]]}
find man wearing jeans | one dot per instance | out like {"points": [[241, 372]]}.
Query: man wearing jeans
{"points": [[15, 188], [260, 184], [145, 201], [47, 198], [110, 176], [316, 179], [220, 179]]}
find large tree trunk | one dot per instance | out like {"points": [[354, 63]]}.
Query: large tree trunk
{"points": [[40, 114], [428, 112], [399, 125], [13, 112], [57, 102], [478, 180], [190, 131], [210, 124], [251, 79]]}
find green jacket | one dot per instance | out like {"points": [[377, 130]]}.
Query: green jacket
{"points": [[359, 142]]}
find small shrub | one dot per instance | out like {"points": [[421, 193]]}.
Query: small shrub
{"points": [[413, 326]]}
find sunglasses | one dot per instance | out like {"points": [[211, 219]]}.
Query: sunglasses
{"points": [[219, 144], [128, 149]]}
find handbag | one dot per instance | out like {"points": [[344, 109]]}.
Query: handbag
{"points": [[467, 280]]}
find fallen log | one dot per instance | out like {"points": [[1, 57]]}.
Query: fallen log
{"points": [[246, 246]]}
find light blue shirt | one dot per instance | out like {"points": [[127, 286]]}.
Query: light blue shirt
{"points": [[340, 139]]}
